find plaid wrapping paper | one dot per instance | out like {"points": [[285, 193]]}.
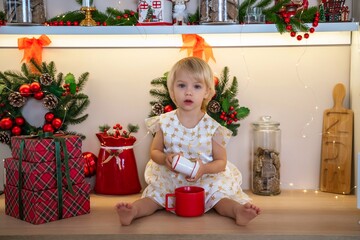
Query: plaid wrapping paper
{"points": [[42, 206], [42, 176], [43, 150]]}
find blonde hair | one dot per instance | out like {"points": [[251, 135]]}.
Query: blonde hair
{"points": [[199, 69]]}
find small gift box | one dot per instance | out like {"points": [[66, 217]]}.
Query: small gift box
{"points": [[39, 207], [42, 176], [43, 149]]}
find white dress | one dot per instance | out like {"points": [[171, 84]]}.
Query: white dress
{"points": [[193, 143]]}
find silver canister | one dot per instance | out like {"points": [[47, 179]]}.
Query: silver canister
{"points": [[219, 11], [25, 11]]}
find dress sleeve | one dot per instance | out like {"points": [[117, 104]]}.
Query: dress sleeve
{"points": [[153, 124], [222, 136]]}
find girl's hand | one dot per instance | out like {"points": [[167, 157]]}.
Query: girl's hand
{"points": [[199, 174], [168, 160]]}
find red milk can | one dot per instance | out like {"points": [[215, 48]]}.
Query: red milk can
{"points": [[116, 172]]}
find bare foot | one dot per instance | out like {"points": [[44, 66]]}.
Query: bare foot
{"points": [[245, 213], [126, 213]]}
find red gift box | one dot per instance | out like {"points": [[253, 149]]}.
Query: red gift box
{"points": [[43, 149], [42, 206], [42, 176]]}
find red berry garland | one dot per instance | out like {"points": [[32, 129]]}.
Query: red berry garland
{"points": [[299, 37]]}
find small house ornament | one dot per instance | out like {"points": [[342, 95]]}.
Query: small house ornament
{"points": [[155, 12]]}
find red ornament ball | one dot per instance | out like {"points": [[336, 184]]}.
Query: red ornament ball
{"points": [[56, 123], [25, 90], [216, 81], [312, 30], [48, 128], [6, 123], [16, 130], [168, 108], [293, 34], [306, 35], [19, 121], [39, 95], [49, 117], [90, 160], [299, 37], [35, 87]]}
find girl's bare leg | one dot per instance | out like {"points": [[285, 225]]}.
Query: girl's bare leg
{"points": [[140, 208], [242, 214]]}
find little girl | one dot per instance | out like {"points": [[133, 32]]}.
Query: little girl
{"points": [[191, 132]]}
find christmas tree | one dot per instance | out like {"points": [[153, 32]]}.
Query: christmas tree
{"points": [[59, 94], [224, 106]]}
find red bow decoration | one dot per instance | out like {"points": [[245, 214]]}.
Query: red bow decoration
{"points": [[33, 47], [197, 47]]}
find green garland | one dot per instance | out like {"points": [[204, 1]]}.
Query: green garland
{"points": [[297, 22], [112, 17], [59, 93], [224, 107]]}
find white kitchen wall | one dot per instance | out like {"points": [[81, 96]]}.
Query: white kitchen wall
{"points": [[269, 84]]}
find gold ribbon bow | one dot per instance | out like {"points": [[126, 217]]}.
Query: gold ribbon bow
{"points": [[197, 47], [33, 47]]}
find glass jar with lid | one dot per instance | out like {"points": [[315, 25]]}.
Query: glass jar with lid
{"points": [[265, 157], [219, 11]]}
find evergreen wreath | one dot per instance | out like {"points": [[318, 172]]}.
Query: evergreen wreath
{"points": [[59, 94], [224, 106]]}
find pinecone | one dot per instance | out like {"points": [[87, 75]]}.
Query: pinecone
{"points": [[50, 101], [214, 106], [4, 137], [16, 100], [46, 79], [157, 109]]}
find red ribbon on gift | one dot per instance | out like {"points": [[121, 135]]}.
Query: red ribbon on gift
{"points": [[197, 47], [33, 47]]}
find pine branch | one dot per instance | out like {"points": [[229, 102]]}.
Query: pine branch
{"points": [[233, 88], [104, 128], [132, 128], [60, 79], [35, 65], [82, 80], [159, 93], [264, 3], [24, 69], [78, 120], [160, 81]]}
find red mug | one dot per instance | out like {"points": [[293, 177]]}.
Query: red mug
{"points": [[189, 201]]}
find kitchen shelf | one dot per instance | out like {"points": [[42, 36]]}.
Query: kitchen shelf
{"points": [[170, 36], [193, 29]]}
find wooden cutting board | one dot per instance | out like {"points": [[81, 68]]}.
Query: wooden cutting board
{"points": [[336, 149]]}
